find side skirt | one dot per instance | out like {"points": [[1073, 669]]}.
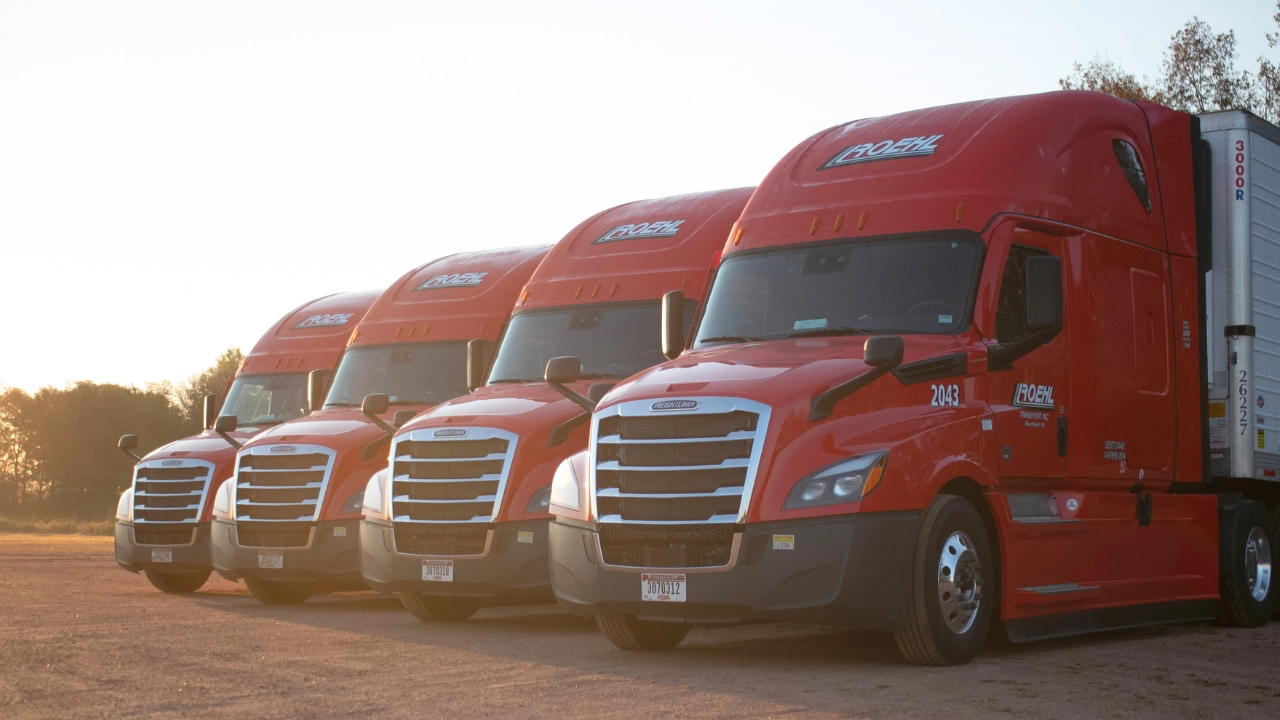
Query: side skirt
{"points": [[1088, 621]]}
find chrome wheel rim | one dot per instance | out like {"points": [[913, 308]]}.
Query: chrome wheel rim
{"points": [[1257, 564], [959, 582]]}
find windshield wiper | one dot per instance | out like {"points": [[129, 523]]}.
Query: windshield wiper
{"points": [[514, 380], [340, 404], [597, 376], [845, 330], [728, 338], [410, 402]]}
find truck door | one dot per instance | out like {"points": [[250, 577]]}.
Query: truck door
{"points": [[1030, 401]]}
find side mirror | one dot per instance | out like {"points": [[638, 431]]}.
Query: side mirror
{"points": [[884, 350], [375, 404], [563, 370], [401, 417], [127, 444], [673, 324], [476, 363], [210, 410], [226, 424], [1044, 292], [315, 390]]}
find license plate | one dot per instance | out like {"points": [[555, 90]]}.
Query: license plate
{"points": [[662, 587], [273, 559], [165, 555], [437, 570]]}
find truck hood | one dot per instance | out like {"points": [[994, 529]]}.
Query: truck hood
{"points": [[339, 429], [205, 446], [524, 409], [773, 372]]}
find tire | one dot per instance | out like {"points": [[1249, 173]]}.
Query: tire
{"points": [[948, 620], [627, 632], [177, 583], [434, 608], [275, 592], [1273, 519], [1247, 595]]}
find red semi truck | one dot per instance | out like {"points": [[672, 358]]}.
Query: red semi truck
{"points": [[461, 516], [163, 519], [1005, 362], [287, 524]]}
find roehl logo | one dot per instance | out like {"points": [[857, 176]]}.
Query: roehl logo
{"points": [[639, 231], [453, 432], [916, 146], [456, 280], [171, 463], [1031, 395], [331, 320], [667, 405], [283, 449]]}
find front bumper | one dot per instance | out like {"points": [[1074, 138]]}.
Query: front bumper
{"points": [[513, 566], [849, 570], [187, 558], [332, 555]]}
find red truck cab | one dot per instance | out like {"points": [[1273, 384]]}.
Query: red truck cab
{"points": [[461, 517], [950, 373], [163, 519], [287, 524]]}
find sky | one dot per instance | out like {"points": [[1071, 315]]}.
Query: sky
{"points": [[175, 177]]}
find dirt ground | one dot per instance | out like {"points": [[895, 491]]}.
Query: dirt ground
{"points": [[79, 637]]}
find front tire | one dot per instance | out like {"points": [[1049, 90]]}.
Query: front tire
{"points": [[434, 608], [1247, 593], [953, 587], [177, 583], [627, 632], [275, 592]]}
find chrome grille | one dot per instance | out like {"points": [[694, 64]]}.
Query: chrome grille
{"points": [[694, 464], [170, 493], [447, 486], [281, 483]]}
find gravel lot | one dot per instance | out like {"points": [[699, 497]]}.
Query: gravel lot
{"points": [[80, 637]]}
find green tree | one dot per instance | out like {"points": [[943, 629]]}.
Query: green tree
{"points": [[1198, 74], [213, 381]]}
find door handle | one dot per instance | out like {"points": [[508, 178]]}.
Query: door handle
{"points": [[1062, 436]]}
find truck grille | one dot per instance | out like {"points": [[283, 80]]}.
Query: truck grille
{"points": [[693, 465], [280, 484], [666, 546], [446, 488], [168, 496]]}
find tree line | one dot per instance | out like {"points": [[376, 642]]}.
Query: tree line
{"points": [[58, 455], [1199, 73]]}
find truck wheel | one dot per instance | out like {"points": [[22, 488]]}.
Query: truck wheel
{"points": [[275, 592], [1273, 520], [1244, 584], [171, 582], [628, 632], [432, 608], [950, 605]]}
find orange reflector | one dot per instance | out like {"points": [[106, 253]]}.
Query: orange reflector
{"points": [[862, 221], [613, 290], [524, 296], [738, 237], [595, 291], [354, 334], [577, 294], [873, 478], [839, 222], [959, 211], [814, 227]]}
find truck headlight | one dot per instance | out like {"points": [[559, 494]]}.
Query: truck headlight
{"points": [[377, 504], [224, 501], [540, 502], [846, 481], [124, 508], [565, 487]]}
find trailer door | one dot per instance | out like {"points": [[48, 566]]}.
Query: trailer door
{"points": [[1030, 401]]}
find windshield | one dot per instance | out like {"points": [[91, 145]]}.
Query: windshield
{"points": [[420, 374], [612, 341], [915, 286], [267, 399]]}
